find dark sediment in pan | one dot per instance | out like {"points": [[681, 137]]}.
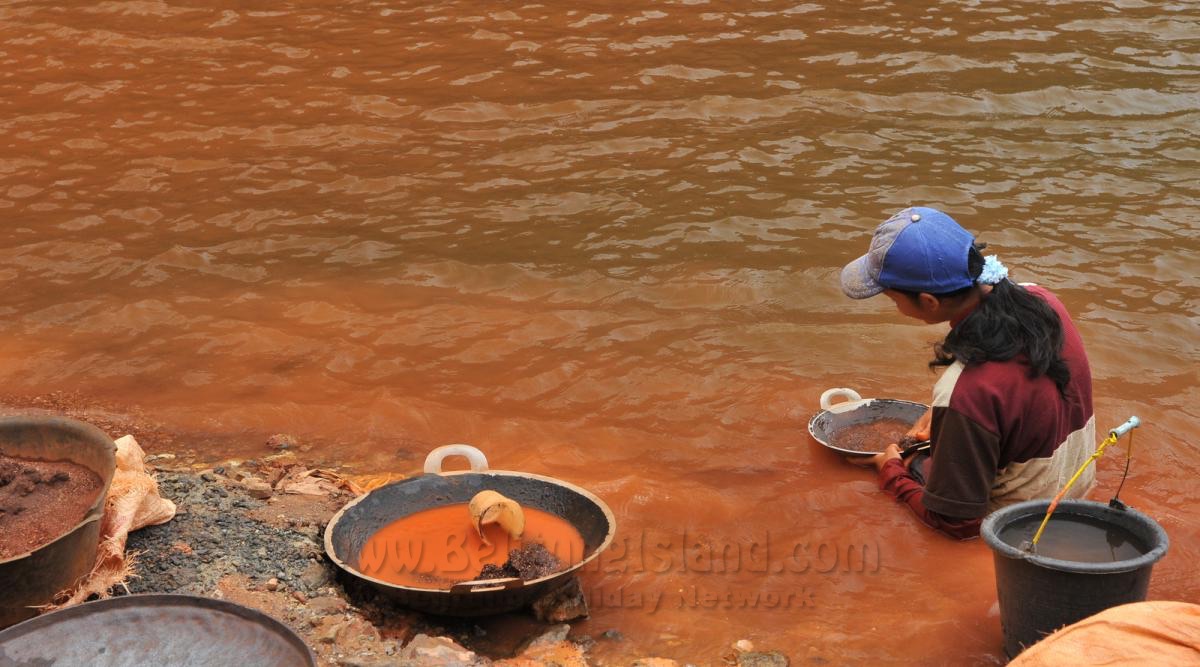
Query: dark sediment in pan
{"points": [[531, 561], [873, 436], [40, 501]]}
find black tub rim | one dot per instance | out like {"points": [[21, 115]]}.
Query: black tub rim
{"points": [[151, 600], [449, 592], [1158, 540]]}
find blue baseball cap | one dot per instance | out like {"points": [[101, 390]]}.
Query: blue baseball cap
{"points": [[918, 249]]}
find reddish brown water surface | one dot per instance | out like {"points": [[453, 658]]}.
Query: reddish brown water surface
{"points": [[439, 547], [602, 243]]}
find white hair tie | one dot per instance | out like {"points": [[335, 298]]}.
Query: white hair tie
{"points": [[993, 271]]}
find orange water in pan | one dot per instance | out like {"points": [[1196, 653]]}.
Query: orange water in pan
{"points": [[439, 547]]}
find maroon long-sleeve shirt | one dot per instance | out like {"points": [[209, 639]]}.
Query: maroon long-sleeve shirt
{"points": [[1000, 437], [895, 479]]}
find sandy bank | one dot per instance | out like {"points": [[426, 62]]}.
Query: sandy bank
{"points": [[234, 541], [238, 536]]}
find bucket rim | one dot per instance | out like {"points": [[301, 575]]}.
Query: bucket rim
{"points": [[994, 522]]}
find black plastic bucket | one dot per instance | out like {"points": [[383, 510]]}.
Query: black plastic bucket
{"points": [[1039, 594]]}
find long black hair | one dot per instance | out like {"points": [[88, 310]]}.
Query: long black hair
{"points": [[1009, 322]]}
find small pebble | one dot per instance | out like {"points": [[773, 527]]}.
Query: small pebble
{"points": [[612, 635], [272, 584]]}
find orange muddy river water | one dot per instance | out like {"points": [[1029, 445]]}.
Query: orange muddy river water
{"points": [[601, 242]]}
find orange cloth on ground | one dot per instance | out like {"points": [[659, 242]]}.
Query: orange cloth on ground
{"points": [[1156, 633]]}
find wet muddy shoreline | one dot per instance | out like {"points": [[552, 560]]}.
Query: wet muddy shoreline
{"points": [[267, 553], [232, 539], [276, 565]]}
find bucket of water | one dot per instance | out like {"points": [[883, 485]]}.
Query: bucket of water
{"points": [[1090, 557]]}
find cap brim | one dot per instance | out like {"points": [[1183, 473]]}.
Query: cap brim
{"points": [[857, 282]]}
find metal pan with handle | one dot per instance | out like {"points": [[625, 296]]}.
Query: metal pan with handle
{"points": [[836, 416], [351, 527]]}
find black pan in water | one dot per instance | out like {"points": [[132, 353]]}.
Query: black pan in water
{"points": [[825, 425]]}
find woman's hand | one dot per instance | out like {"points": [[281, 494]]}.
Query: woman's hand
{"points": [[891, 452], [922, 429]]}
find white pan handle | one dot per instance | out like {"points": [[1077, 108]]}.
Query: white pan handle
{"points": [[850, 395], [433, 462]]}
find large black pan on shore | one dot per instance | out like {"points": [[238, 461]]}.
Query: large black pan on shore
{"points": [[351, 527], [140, 630], [837, 416]]}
